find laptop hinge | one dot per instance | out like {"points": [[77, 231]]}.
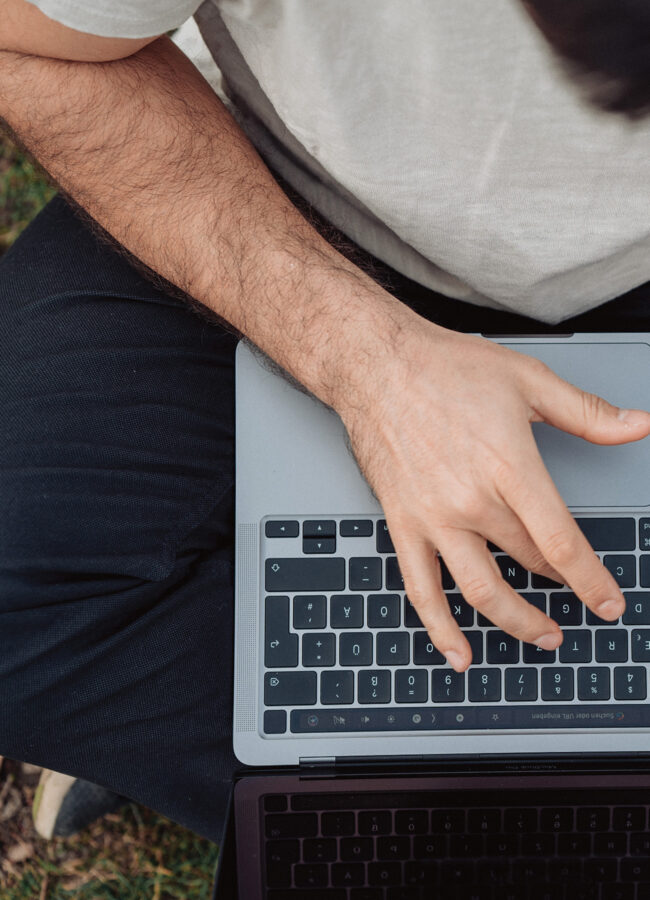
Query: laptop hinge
{"points": [[317, 760]]}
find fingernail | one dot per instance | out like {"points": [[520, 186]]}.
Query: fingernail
{"points": [[550, 641], [611, 609], [455, 659], [633, 417]]}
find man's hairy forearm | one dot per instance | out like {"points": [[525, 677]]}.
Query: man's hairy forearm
{"points": [[145, 146]]}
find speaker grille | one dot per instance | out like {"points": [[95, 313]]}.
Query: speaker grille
{"points": [[246, 639]]}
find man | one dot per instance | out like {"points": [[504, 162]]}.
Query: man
{"points": [[444, 139]]}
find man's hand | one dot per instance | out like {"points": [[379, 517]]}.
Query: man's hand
{"points": [[442, 433]]}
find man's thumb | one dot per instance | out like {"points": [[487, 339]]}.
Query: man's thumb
{"points": [[587, 415]]}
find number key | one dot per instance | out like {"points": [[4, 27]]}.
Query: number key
{"points": [[484, 685], [630, 683], [557, 684], [447, 686], [593, 683]]}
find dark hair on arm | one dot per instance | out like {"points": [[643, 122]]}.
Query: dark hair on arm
{"points": [[604, 42]]}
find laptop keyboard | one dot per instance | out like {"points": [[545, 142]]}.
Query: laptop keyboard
{"points": [[344, 650], [397, 846]]}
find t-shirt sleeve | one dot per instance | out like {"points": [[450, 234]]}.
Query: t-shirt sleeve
{"points": [[119, 18]]}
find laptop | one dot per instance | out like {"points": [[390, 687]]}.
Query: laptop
{"points": [[374, 770]]}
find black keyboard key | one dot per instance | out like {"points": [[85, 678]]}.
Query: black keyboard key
{"points": [[278, 875], [594, 683], [424, 652], [394, 848], [394, 580], [536, 599], [644, 568], [593, 818], [640, 645], [465, 846], [611, 645], [513, 573], [375, 822], [308, 894], [309, 611], [630, 818], [556, 819], [337, 824], [319, 545], [374, 686], [383, 611], [355, 649], [447, 686], [356, 849], [310, 875], [619, 891], [535, 655], [446, 577], [630, 683], [484, 685], [319, 528], [576, 647], [600, 871], [411, 686], [384, 542], [411, 821], [290, 688], [393, 648], [448, 821], [610, 844], [501, 648], [365, 573], [305, 574], [385, 873], [291, 825], [319, 850], [637, 608], [520, 820], [355, 528], [280, 646], [460, 609], [275, 721], [592, 619], [284, 528], [557, 684], [346, 611], [475, 639], [275, 802], [336, 687], [348, 874], [573, 844], [521, 685], [539, 846], [283, 851], [623, 568], [566, 609], [318, 649], [644, 534], [484, 821], [541, 582], [411, 618], [609, 533]]}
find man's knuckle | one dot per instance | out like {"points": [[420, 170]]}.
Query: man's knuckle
{"points": [[480, 593], [561, 548]]}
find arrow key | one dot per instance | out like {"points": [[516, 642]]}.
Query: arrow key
{"points": [[319, 545]]}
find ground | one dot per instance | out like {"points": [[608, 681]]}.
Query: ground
{"points": [[131, 855]]}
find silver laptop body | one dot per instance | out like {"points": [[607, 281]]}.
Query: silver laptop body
{"points": [[293, 465]]}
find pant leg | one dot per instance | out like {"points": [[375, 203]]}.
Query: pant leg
{"points": [[116, 530]]}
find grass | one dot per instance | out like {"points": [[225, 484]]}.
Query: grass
{"points": [[24, 190], [134, 854]]}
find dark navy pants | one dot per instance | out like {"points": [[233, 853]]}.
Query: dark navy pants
{"points": [[116, 517]]}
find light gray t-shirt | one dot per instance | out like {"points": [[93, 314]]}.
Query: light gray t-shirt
{"points": [[441, 136]]}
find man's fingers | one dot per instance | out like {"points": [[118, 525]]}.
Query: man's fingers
{"points": [[479, 580], [538, 503], [578, 412], [420, 570], [509, 534]]}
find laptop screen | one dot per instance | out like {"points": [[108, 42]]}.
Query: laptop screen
{"points": [[544, 835]]}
